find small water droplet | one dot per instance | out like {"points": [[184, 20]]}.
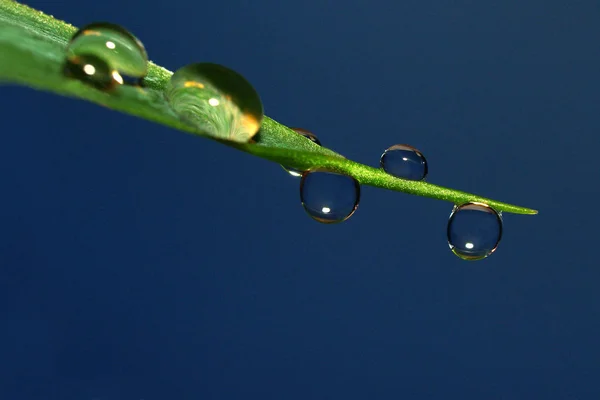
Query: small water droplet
{"points": [[310, 136], [329, 197], [307, 134], [105, 55], [405, 162], [474, 231], [216, 100]]}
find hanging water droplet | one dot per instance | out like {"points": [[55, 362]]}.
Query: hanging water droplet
{"points": [[310, 136], [105, 55], [329, 197], [474, 231], [216, 101], [405, 162]]}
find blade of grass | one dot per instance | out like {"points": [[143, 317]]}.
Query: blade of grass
{"points": [[32, 49]]}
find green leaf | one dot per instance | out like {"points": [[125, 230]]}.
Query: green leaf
{"points": [[32, 52]]}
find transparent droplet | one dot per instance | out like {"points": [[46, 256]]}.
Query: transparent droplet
{"points": [[329, 197], [105, 55], [474, 231], [405, 162], [216, 100], [310, 136]]}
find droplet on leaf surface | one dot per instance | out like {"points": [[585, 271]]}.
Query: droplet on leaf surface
{"points": [[105, 55], [405, 162], [216, 101]]}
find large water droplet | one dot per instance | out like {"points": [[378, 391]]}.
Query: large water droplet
{"points": [[474, 231], [216, 101], [310, 136], [329, 197], [104, 55], [405, 162]]}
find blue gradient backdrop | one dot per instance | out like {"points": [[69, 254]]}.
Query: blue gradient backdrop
{"points": [[138, 262]]}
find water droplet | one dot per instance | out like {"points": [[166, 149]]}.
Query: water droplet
{"points": [[474, 231], [307, 134], [405, 162], [310, 136], [104, 55], [216, 100], [329, 197]]}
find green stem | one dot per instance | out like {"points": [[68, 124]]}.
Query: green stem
{"points": [[32, 49]]}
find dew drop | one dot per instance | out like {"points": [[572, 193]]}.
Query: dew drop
{"points": [[329, 197], [307, 134], [216, 100], [474, 231], [405, 162], [310, 136], [105, 55]]}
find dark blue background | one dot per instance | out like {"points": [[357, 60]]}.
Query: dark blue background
{"points": [[138, 262]]}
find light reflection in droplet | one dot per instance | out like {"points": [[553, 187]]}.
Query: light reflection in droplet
{"points": [[89, 69], [117, 77]]}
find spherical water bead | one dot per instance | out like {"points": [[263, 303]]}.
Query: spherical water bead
{"points": [[329, 197], [310, 136], [474, 231], [216, 100], [104, 55], [405, 162]]}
